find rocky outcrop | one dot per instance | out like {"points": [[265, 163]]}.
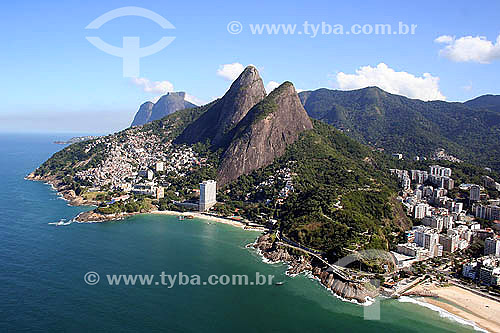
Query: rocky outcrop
{"points": [[62, 190], [227, 112], [167, 104], [264, 133], [143, 115], [95, 216], [299, 264]]}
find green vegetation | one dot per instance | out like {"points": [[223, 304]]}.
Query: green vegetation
{"points": [[268, 105], [412, 127], [133, 205], [89, 154], [341, 197]]}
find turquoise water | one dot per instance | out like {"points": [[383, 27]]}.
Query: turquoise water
{"points": [[42, 270]]}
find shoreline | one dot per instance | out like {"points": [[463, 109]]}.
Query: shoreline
{"points": [[474, 310], [478, 322], [92, 217], [74, 200], [208, 217], [346, 291]]}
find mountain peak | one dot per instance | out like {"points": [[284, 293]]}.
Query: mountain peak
{"points": [[264, 133], [214, 125], [167, 104]]}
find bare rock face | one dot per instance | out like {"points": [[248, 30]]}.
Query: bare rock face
{"points": [[167, 104], [227, 112], [143, 115], [264, 133]]}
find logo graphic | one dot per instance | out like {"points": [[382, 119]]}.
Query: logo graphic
{"points": [[130, 51], [91, 278], [234, 27]]}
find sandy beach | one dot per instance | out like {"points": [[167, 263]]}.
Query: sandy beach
{"points": [[206, 217], [482, 311]]}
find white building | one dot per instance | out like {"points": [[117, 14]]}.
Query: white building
{"points": [[492, 246], [406, 183], [413, 250], [439, 171], [160, 166], [489, 212], [475, 193], [398, 156], [436, 222], [420, 210], [208, 195], [419, 176], [459, 207], [428, 238]]}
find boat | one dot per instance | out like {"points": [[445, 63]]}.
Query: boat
{"points": [[280, 283], [190, 217], [181, 217]]}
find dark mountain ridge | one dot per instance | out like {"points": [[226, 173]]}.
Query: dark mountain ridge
{"points": [[409, 126]]}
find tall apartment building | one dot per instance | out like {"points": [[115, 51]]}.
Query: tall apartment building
{"points": [[449, 242], [436, 222], [469, 270], [419, 176], [489, 212], [492, 246], [208, 195], [420, 210], [475, 193], [439, 171]]}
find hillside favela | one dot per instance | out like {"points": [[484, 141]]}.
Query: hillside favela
{"points": [[314, 173]]}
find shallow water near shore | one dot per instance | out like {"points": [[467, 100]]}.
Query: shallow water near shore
{"points": [[43, 266]]}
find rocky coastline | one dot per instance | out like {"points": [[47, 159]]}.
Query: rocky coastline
{"points": [[75, 200], [62, 190], [264, 244], [272, 252]]}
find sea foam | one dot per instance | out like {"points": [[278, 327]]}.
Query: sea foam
{"points": [[442, 313]]}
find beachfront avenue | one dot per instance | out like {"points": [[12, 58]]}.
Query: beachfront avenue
{"points": [[180, 279]]}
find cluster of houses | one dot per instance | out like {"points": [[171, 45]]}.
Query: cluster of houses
{"points": [[283, 177], [445, 225], [137, 162], [485, 270]]}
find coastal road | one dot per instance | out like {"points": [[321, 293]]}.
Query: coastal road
{"points": [[337, 270]]}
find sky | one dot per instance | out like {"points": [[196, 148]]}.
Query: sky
{"points": [[55, 80]]}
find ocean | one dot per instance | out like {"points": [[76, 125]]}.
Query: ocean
{"points": [[43, 265]]}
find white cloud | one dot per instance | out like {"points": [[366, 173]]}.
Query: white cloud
{"points": [[444, 39], [161, 88], [425, 87], [469, 49], [195, 100], [271, 85], [154, 87], [230, 71]]}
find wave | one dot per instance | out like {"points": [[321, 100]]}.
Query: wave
{"points": [[442, 313], [61, 222], [368, 301], [261, 255]]}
